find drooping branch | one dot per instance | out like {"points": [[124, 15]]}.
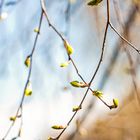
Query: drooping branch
{"points": [[123, 38], [77, 71], [110, 67], [131, 63], [19, 112]]}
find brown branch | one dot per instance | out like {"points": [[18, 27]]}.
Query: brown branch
{"points": [[27, 81], [132, 70], [70, 58], [97, 68], [49, 23], [123, 38], [107, 72], [99, 63]]}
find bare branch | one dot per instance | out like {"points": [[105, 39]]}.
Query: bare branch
{"points": [[97, 68], [27, 81], [124, 39]]}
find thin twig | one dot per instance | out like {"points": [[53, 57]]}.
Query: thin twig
{"points": [[123, 38], [69, 57], [132, 69], [107, 72], [97, 68], [49, 23], [27, 81]]}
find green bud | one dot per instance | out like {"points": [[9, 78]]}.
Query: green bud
{"points": [[78, 84], [76, 108], [12, 119], [65, 64], [98, 93], [28, 90], [36, 30], [94, 2], [58, 127], [116, 102], [27, 61], [68, 47]]}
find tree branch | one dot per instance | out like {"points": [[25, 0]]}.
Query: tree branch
{"points": [[97, 68], [27, 81]]}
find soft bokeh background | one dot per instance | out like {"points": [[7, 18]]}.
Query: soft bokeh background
{"points": [[53, 98]]}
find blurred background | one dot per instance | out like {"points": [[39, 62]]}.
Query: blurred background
{"points": [[53, 97]]}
